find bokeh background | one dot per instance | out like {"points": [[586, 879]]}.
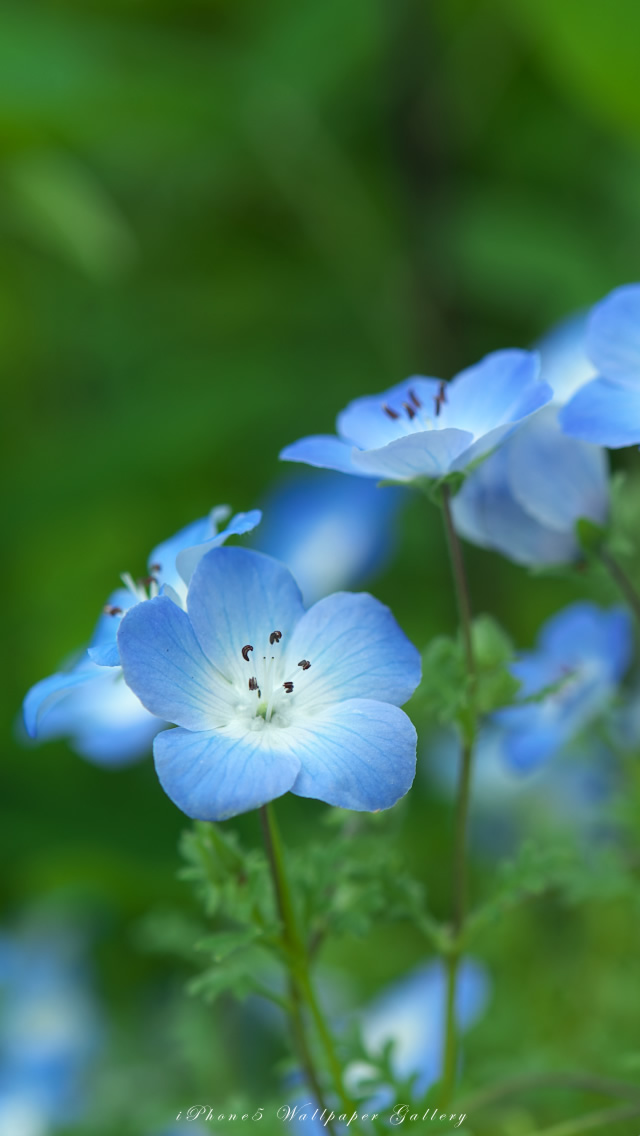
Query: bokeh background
{"points": [[219, 221]]}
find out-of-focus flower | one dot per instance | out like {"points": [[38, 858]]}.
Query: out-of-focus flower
{"points": [[524, 500], [269, 698], [607, 409], [582, 653], [49, 1032], [411, 1014], [89, 702], [425, 428], [331, 531]]}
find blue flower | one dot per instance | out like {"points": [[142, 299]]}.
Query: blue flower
{"points": [[89, 702], [565, 365], [269, 698], [607, 409], [94, 708], [411, 1014], [427, 428], [331, 531], [525, 499], [582, 652], [49, 1031]]}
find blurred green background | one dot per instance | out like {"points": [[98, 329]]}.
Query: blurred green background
{"points": [[220, 220]]}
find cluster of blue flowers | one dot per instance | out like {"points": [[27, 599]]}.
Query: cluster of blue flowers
{"points": [[268, 697]]}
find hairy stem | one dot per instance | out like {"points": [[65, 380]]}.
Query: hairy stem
{"points": [[451, 1043], [532, 1082], [302, 991]]}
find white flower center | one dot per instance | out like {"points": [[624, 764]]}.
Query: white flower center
{"points": [[271, 682]]}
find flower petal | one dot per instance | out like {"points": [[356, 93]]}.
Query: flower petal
{"points": [[164, 665], [583, 630], [486, 513], [42, 697], [324, 451], [431, 453], [218, 774], [237, 597], [502, 387], [358, 754], [366, 424], [103, 648], [613, 336], [356, 650], [188, 559], [556, 478], [604, 412]]}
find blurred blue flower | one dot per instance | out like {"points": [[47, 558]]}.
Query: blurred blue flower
{"points": [[582, 652], [269, 698], [525, 499], [50, 1030], [411, 1014], [607, 409], [89, 702], [427, 428], [331, 531], [565, 365]]}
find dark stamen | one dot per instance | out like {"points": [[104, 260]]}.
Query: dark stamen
{"points": [[245, 652], [409, 409], [110, 609], [253, 684], [441, 397], [155, 567], [391, 413], [147, 580], [415, 400], [305, 664], [275, 637], [288, 687]]}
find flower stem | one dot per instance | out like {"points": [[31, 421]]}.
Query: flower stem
{"points": [[619, 576], [601, 1119], [300, 979], [451, 1044]]}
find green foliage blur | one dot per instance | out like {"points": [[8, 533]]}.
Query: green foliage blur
{"points": [[220, 220]]}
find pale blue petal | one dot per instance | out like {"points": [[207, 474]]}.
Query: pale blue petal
{"points": [[556, 478], [324, 451], [565, 365], [486, 513], [357, 755], [356, 650], [604, 412], [239, 597], [431, 453], [613, 337], [162, 559], [220, 773], [42, 697], [188, 559], [103, 648], [525, 749], [502, 387], [366, 424], [103, 720], [164, 665]]}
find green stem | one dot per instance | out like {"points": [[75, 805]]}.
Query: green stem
{"points": [[601, 1119], [620, 578], [300, 980], [533, 1082], [451, 1043]]}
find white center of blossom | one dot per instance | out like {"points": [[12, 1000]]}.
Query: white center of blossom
{"points": [[411, 416], [271, 682]]}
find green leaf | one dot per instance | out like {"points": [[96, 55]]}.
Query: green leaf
{"points": [[225, 943]]}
